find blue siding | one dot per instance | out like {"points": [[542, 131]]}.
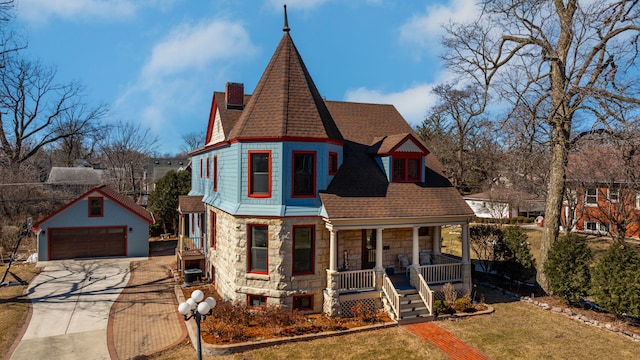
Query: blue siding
{"points": [[76, 215], [233, 166]]}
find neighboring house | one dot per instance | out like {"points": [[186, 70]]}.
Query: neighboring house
{"points": [[505, 204], [76, 180], [603, 193], [99, 223], [312, 204], [155, 169]]}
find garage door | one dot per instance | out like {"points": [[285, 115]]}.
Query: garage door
{"points": [[87, 242]]}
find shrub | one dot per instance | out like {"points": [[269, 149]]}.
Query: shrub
{"points": [[514, 254], [462, 304], [450, 294], [567, 267], [616, 280], [441, 307]]}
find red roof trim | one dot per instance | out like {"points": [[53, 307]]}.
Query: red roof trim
{"points": [[287, 138], [411, 138], [100, 189], [212, 119]]}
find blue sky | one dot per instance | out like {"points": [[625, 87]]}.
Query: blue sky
{"points": [[157, 62]]}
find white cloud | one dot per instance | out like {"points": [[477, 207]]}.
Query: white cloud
{"points": [[424, 28], [412, 103], [39, 11], [197, 46], [173, 90]]}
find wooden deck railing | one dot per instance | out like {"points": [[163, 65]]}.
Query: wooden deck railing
{"points": [[356, 280], [434, 274], [426, 294], [393, 296]]}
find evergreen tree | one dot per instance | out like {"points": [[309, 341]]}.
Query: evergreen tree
{"points": [[567, 267], [163, 201], [514, 255], [616, 280]]}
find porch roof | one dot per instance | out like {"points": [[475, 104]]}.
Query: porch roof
{"points": [[190, 204]]}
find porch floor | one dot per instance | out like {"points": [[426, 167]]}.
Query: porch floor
{"points": [[401, 282]]}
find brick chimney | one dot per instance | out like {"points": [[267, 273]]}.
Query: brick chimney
{"points": [[234, 95]]}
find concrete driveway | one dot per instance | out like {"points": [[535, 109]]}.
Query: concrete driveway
{"points": [[71, 302]]}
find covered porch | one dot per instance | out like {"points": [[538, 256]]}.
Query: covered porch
{"points": [[402, 265]]}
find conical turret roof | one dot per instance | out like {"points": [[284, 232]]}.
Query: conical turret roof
{"points": [[286, 102]]}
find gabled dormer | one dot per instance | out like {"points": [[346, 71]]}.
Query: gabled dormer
{"points": [[401, 157]]}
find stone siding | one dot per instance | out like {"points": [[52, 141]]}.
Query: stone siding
{"points": [[230, 257]]}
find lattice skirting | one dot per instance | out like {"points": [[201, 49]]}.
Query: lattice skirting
{"points": [[347, 306]]}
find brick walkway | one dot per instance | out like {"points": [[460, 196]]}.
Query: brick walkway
{"points": [[144, 319], [445, 341]]}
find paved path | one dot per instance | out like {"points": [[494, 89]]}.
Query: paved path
{"points": [[445, 341], [145, 319], [70, 304]]}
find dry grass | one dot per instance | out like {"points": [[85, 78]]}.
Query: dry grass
{"points": [[521, 331], [390, 343], [14, 304]]}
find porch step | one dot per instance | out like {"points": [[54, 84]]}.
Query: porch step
{"points": [[412, 308]]}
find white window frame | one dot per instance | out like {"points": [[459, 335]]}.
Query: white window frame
{"points": [[587, 196], [613, 195]]}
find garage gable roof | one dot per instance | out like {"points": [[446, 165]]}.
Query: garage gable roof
{"points": [[111, 194]]}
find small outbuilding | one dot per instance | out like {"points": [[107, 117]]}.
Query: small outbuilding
{"points": [[100, 223]]}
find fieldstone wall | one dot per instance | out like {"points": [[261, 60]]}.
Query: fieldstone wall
{"points": [[230, 258]]}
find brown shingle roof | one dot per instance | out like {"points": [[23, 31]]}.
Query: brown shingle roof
{"points": [[190, 204], [286, 102], [228, 117], [362, 123]]}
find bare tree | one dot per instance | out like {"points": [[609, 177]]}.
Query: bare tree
{"points": [[126, 149], [575, 61], [456, 132], [192, 141], [35, 111]]}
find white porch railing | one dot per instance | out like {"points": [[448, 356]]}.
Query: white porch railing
{"points": [[392, 295], [445, 259], [356, 280], [443, 273], [426, 294]]}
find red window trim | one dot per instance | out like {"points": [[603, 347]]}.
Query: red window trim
{"points": [[89, 206], [313, 249], [263, 297], [333, 165], [208, 168], [201, 168], [405, 159], [249, 246], [250, 153], [215, 173], [193, 225], [315, 159], [302, 308], [213, 230]]}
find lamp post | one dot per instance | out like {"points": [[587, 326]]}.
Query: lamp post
{"points": [[197, 309]]}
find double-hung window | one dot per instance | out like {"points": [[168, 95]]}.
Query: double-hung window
{"points": [[591, 196], [96, 207], [614, 195], [258, 248], [259, 173], [303, 249], [304, 174], [215, 173]]}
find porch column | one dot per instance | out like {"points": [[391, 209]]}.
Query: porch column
{"points": [[333, 249], [437, 240], [415, 251], [379, 265], [466, 258], [379, 269]]}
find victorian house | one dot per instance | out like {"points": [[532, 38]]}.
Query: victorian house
{"points": [[317, 205]]}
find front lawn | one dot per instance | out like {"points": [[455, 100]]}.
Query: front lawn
{"points": [[14, 304]]}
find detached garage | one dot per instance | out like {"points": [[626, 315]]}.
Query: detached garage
{"points": [[100, 223]]}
